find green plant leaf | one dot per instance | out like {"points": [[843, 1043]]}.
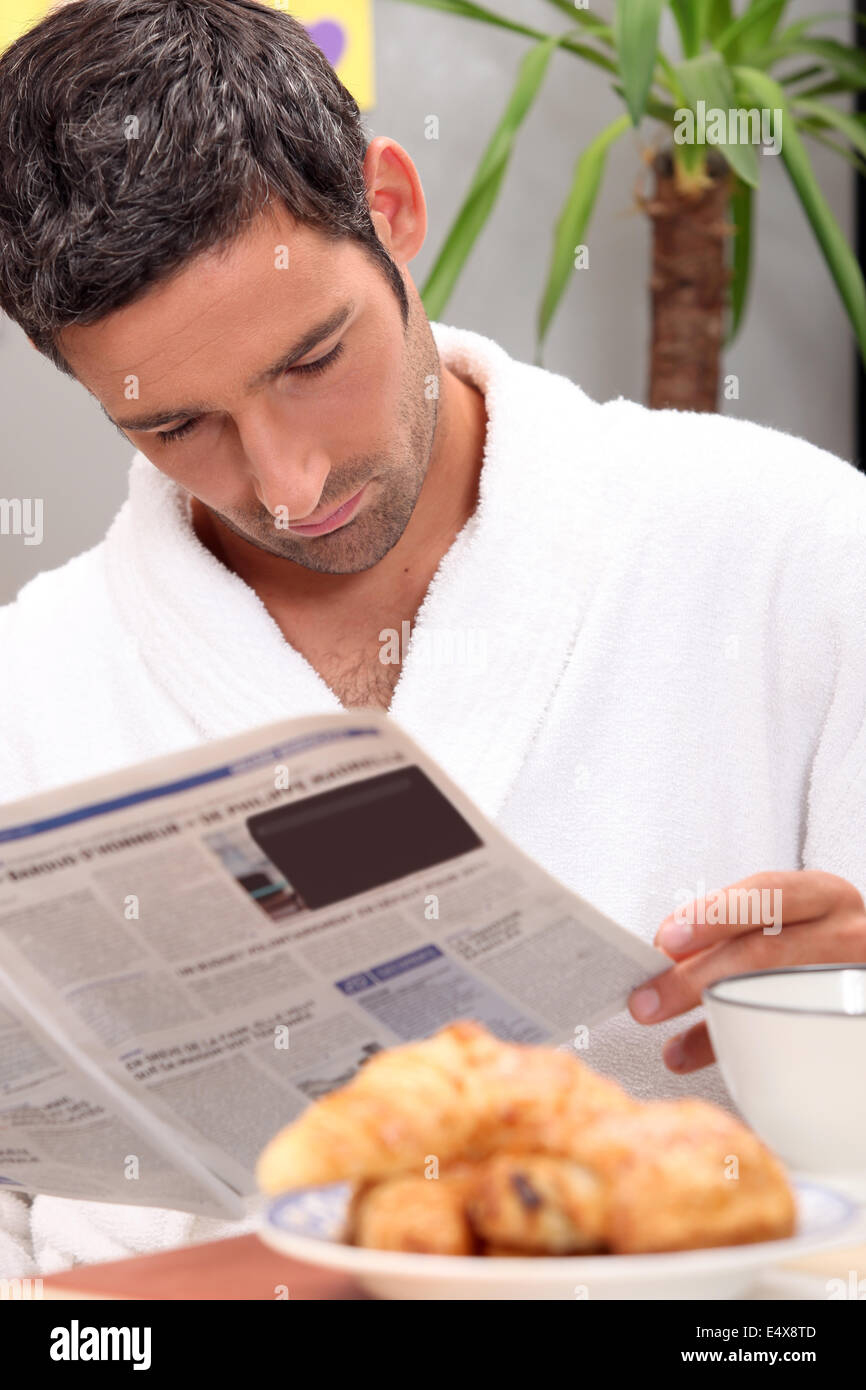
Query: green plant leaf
{"points": [[814, 130], [751, 30], [484, 189], [574, 219], [740, 209], [766, 16], [659, 110], [586, 19], [846, 62], [719, 16], [789, 78], [795, 31], [824, 89], [465, 9], [691, 17], [841, 261], [850, 126], [708, 79], [636, 27], [590, 55], [566, 7], [666, 78]]}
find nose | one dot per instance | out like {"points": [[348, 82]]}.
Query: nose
{"points": [[286, 471]]}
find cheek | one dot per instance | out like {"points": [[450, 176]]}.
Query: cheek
{"points": [[375, 403], [358, 409], [357, 415], [208, 472]]}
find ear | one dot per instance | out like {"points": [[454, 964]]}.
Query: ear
{"points": [[396, 198]]}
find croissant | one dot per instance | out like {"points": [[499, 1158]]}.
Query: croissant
{"points": [[537, 1099], [676, 1175], [682, 1175], [530, 1203], [402, 1105], [420, 1214], [536, 1154], [538, 1204], [462, 1093]]}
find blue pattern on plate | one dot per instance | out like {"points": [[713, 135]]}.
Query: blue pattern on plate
{"points": [[317, 1212]]}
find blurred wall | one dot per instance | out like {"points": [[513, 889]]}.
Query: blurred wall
{"points": [[793, 359]]}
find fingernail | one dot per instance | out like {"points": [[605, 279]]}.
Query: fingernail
{"points": [[674, 1053], [675, 936], [644, 1004]]}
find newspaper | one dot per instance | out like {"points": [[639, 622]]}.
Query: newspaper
{"points": [[193, 949]]}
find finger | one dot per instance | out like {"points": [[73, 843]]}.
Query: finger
{"points": [[677, 990], [689, 1051], [763, 902]]}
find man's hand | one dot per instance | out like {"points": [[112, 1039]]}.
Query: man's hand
{"points": [[767, 921]]}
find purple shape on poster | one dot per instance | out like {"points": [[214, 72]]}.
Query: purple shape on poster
{"points": [[331, 38]]}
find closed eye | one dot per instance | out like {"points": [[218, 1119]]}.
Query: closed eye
{"points": [[321, 364]]}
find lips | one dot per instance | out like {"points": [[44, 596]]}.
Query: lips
{"points": [[334, 520]]}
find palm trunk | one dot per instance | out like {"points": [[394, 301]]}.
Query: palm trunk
{"points": [[688, 286]]}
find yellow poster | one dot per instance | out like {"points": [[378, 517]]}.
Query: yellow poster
{"points": [[18, 15], [343, 29]]}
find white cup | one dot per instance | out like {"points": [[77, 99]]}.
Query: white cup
{"points": [[791, 1047]]}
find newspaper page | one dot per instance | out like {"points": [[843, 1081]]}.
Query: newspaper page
{"points": [[58, 1135], [197, 947]]}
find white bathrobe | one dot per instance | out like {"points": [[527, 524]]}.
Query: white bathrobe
{"points": [[673, 608]]}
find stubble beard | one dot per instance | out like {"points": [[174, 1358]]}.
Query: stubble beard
{"points": [[376, 529]]}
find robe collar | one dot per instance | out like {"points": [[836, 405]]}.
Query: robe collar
{"points": [[493, 633]]}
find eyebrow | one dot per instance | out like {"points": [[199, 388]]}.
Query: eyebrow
{"points": [[308, 340]]}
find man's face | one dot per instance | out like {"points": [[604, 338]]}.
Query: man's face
{"points": [[195, 374]]}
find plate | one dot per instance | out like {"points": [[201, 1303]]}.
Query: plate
{"points": [[306, 1225]]}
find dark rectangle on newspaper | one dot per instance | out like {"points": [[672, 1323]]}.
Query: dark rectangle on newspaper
{"points": [[351, 839]]}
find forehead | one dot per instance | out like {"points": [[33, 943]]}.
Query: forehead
{"points": [[236, 303]]}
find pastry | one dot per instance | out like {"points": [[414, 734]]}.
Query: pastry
{"points": [[536, 1153], [538, 1204], [684, 1174], [462, 1093], [414, 1213]]}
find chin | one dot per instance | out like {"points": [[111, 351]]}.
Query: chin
{"points": [[338, 560], [354, 548]]}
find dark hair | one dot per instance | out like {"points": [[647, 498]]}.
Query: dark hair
{"points": [[136, 133]]}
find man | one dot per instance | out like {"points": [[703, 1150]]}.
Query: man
{"points": [[670, 693]]}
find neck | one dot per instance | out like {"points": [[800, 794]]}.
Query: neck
{"points": [[447, 499]]}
